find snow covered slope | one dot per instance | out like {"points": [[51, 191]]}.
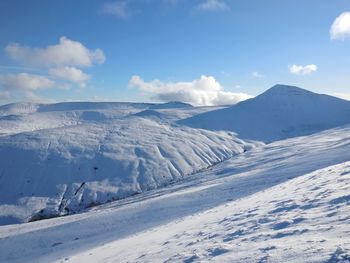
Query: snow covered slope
{"points": [[27, 107], [261, 205], [280, 112], [304, 220], [61, 158], [24, 117]]}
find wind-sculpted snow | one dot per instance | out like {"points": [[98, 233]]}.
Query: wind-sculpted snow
{"points": [[65, 161], [304, 220], [279, 113]]}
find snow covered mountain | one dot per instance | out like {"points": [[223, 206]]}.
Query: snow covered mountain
{"points": [[280, 112], [175, 192], [287, 201], [60, 158]]}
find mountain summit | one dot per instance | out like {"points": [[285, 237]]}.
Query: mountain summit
{"points": [[281, 88], [280, 112]]}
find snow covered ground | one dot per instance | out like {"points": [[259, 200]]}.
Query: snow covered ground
{"points": [[304, 220], [237, 211]]}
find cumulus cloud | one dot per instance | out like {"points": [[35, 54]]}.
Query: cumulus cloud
{"points": [[341, 27], [302, 70], [71, 74], [25, 82], [212, 5], [63, 63], [66, 53], [118, 9], [33, 97], [205, 91], [257, 75]]}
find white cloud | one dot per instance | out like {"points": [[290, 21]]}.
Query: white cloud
{"points": [[71, 74], [62, 62], [118, 9], [66, 53], [257, 75], [33, 97], [25, 82], [212, 5], [341, 27], [205, 91], [302, 70]]}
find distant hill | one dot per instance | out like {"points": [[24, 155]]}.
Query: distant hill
{"points": [[170, 105], [28, 107], [278, 113]]}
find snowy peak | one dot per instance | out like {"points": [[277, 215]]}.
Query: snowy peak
{"points": [[284, 97], [295, 94], [286, 90], [280, 112]]}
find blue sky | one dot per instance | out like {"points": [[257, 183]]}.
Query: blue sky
{"points": [[205, 52]]}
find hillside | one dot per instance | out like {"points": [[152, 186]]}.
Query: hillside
{"points": [[303, 220], [278, 113], [262, 205], [61, 158]]}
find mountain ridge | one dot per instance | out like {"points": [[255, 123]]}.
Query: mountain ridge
{"points": [[281, 112]]}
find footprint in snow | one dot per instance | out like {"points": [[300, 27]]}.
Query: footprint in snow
{"points": [[308, 206], [264, 220], [285, 224], [285, 234], [214, 252], [298, 220], [234, 235], [263, 259], [56, 244], [284, 209], [191, 259], [338, 256], [340, 200], [281, 225], [267, 248]]}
